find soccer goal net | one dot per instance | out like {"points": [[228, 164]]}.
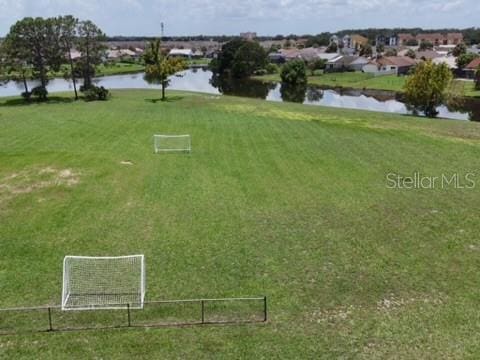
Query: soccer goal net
{"points": [[172, 143], [103, 282]]}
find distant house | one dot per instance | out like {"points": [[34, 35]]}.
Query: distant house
{"points": [[290, 54], [334, 40], [450, 61], [436, 39], [472, 68], [309, 54], [277, 58], [116, 54], [181, 53], [197, 54], [386, 40], [427, 55], [306, 54], [248, 35], [391, 65], [358, 63], [375, 69], [474, 50], [339, 63], [353, 41], [327, 56], [400, 65]]}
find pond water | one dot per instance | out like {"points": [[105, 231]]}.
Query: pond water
{"points": [[202, 80]]}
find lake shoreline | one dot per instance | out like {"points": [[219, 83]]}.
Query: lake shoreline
{"points": [[342, 81]]}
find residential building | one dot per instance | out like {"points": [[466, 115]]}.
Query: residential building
{"points": [[386, 40], [427, 55], [339, 63], [306, 54], [436, 39], [121, 53], [358, 63], [353, 41], [393, 65], [248, 35], [400, 65], [451, 61], [181, 53], [472, 68]]}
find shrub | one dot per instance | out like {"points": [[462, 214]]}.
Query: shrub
{"points": [[428, 87], [27, 95], [271, 68], [40, 92], [96, 93], [294, 72]]}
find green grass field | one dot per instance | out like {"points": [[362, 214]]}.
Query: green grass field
{"points": [[360, 80], [276, 199], [119, 68]]}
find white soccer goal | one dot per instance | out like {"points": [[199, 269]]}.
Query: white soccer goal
{"points": [[103, 282], [172, 143]]}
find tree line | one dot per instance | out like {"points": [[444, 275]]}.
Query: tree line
{"points": [[35, 47], [470, 35]]}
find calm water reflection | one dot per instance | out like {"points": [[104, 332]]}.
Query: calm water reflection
{"points": [[203, 81]]}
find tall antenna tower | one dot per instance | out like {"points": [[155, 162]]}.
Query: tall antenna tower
{"points": [[162, 27]]}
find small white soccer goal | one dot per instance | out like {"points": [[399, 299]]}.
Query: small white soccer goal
{"points": [[172, 143], [103, 282]]}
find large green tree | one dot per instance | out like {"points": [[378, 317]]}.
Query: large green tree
{"points": [[159, 67], [248, 58], [224, 60], [92, 48], [34, 43], [13, 65], [294, 73], [240, 58], [67, 34], [428, 87]]}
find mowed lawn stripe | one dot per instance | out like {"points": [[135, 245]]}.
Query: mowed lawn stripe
{"points": [[282, 200]]}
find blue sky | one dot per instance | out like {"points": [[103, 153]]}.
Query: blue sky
{"points": [[266, 17]]}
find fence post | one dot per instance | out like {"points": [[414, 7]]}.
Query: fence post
{"points": [[50, 327], [128, 314], [203, 312], [264, 309]]}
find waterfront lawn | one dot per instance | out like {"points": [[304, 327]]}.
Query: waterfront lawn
{"points": [[360, 80], [355, 80], [276, 199], [119, 68]]}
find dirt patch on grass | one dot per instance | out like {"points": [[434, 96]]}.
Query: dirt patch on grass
{"points": [[384, 306], [29, 180], [332, 315], [393, 302], [126, 162]]}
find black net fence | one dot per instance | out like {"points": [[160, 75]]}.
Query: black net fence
{"points": [[153, 314]]}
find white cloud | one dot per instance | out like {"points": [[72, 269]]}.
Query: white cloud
{"points": [[230, 16]]}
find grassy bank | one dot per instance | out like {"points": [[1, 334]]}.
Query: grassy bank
{"points": [[276, 199], [359, 80], [119, 69]]}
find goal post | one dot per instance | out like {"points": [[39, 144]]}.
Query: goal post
{"points": [[172, 143], [92, 282]]}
